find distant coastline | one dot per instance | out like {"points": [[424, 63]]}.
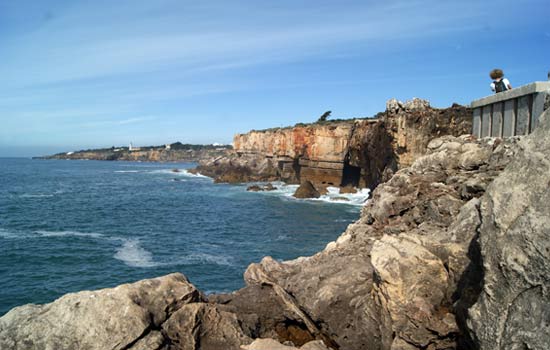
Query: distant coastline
{"points": [[165, 153]]}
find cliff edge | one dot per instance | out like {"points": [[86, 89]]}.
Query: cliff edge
{"points": [[356, 152]]}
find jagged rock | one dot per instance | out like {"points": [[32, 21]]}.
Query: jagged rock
{"points": [[348, 189], [266, 317], [416, 104], [412, 284], [115, 318], [512, 311], [306, 190], [271, 344], [203, 326], [258, 188], [393, 105], [365, 289]]}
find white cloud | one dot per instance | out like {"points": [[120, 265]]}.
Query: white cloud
{"points": [[138, 38]]}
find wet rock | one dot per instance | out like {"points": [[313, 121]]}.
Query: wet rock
{"points": [[348, 189], [306, 190], [258, 188]]}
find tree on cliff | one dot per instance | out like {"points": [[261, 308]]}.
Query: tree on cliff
{"points": [[324, 116]]}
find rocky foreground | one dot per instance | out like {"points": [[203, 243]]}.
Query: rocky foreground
{"points": [[452, 252]]}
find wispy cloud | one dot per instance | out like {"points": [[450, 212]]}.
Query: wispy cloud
{"points": [[91, 42]]}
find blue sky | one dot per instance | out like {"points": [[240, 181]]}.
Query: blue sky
{"points": [[81, 74]]}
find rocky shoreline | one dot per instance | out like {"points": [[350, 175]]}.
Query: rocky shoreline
{"points": [[451, 252]]}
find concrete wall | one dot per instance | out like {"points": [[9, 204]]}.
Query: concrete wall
{"points": [[510, 113]]}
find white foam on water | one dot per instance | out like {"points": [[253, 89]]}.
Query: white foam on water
{"points": [[180, 172], [132, 254], [202, 258], [10, 234], [333, 196], [35, 195], [127, 171], [68, 233]]}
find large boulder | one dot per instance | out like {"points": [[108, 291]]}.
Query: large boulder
{"points": [[166, 312], [114, 318], [203, 326], [271, 344], [513, 309], [306, 190]]}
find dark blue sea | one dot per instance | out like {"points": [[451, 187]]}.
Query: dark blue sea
{"points": [[67, 226]]}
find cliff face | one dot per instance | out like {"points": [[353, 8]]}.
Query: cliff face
{"points": [[355, 152], [315, 152]]}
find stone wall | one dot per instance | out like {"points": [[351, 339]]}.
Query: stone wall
{"points": [[510, 113]]}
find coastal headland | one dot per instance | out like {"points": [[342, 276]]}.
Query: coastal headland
{"points": [[451, 252], [353, 152]]}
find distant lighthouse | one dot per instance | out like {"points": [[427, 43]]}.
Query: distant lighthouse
{"points": [[132, 148]]}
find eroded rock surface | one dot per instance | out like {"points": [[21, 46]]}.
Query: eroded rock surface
{"points": [[394, 279], [88, 320], [161, 313], [513, 309]]}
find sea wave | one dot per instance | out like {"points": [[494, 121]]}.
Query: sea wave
{"points": [[36, 195], [333, 195], [205, 258], [9, 234], [181, 172], [68, 233], [127, 171], [132, 254]]}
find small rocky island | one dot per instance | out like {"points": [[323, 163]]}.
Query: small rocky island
{"points": [[451, 252]]}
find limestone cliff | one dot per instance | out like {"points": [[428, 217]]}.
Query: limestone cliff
{"points": [[360, 152]]}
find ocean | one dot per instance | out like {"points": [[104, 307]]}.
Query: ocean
{"points": [[67, 226]]}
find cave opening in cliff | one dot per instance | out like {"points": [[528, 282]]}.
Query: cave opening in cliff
{"points": [[350, 175]]}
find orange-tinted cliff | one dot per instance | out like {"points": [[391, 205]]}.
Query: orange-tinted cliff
{"points": [[358, 152]]}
